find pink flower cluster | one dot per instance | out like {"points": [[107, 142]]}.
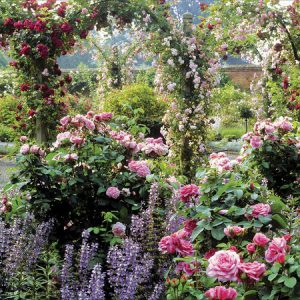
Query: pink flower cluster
{"points": [[34, 149], [221, 293], [260, 209], [113, 192], [226, 265], [126, 140], [154, 147], [189, 192], [176, 243], [221, 162], [141, 168]]}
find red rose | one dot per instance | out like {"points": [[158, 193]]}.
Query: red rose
{"points": [[66, 27], [19, 25], [83, 35], [43, 50], [40, 26], [24, 87], [190, 225], [25, 50]]}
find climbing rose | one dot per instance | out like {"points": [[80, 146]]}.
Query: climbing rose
{"points": [[253, 270], [260, 239], [221, 293], [113, 192], [276, 250], [118, 229], [189, 191], [233, 231], [176, 243], [260, 209], [43, 50], [224, 265]]}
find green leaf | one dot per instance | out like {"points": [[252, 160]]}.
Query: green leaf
{"points": [[239, 193], [279, 221], [218, 233], [251, 292], [290, 282], [197, 231], [271, 277]]}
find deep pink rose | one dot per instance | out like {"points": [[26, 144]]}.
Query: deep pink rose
{"points": [[113, 192], [187, 268], [253, 270], [256, 142], [210, 253], [221, 293], [224, 265], [188, 192], [276, 251], [176, 243], [260, 239], [260, 209], [232, 231], [251, 248], [118, 229], [190, 225]]}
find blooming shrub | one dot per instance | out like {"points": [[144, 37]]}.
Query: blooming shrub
{"points": [[92, 169], [274, 148]]}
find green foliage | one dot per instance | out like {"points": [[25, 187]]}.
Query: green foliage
{"points": [[8, 109], [137, 96], [7, 134]]}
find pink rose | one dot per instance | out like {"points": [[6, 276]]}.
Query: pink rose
{"points": [[176, 243], [251, 248], [276, 251], [89, 124], [232, 231], [253, 270], [113, 192], [260, 239], [269, 129], [118, 229], [106, 116], [221, 293], [284, 124], [256, 142], [23, 139], [25, 149], [190, 225], [224, 265], [139, 167], [260, 209], [77, 140], [65, 121], [34, 149], [187, 268], [188, 192]]}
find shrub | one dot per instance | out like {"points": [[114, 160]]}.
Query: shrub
{"points": [[7, 134], [8, 110], [137, 96]]}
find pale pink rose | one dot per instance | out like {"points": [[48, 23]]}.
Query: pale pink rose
{"points": [[187, 268], [260, 239], [256, 142], [260, 209], [276, 251], [188, 192], [176, 243], [269, 129], [89, 124], [106, 116], [34, 149], [284, 124], [253, 270], [77, 140], [23, 139], [25, 149], [113, 192], [251, 248], [63, 136], [65, 121], [119, 229], [232, 231], [221, 293], [139, 167], [224, 265]]}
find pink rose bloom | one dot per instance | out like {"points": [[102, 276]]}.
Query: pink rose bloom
{"points": [[232, 231], [89, 124], [269, 129], [176, 243], [23, 139], [113, 192], [118, 229], [103, 117], [221, 293], [188, 192], [25, 149], [284, 124], [251, 248], [260, 239], [210, 253], [65, 121], [260, 209], [256, 142], [139, 167], [77, 140], [253, 270], [276, 251], [34, 149], [224, 265], [187, 268], [190, 225]]}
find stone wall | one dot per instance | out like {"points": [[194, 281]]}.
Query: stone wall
{"points": [[243, 75]]}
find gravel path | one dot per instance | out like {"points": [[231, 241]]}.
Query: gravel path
{"points": [[6, 169]]}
